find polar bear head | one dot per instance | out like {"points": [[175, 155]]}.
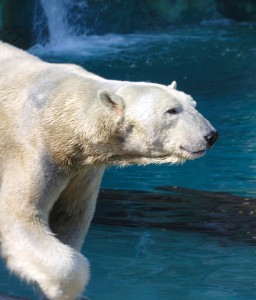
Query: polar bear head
{"points": [[156, 124]]}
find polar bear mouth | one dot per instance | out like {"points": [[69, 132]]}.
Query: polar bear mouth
{"points": [[194, 153]]}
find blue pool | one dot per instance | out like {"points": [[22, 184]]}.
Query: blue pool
{"points": [[176, 232]]}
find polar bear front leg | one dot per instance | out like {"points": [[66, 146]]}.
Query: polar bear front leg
{"points": [[71, 215], [27, 244]]}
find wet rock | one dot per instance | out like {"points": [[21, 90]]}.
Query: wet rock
{"points": [[238, 10], [128, 16], [182, 11]]}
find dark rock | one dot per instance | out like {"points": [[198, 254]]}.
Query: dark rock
{"points": [[171, 208], [238, 10], [16, 22], [129, 16]]}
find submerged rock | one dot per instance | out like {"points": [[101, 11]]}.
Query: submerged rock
{"points": [[171, 208]]}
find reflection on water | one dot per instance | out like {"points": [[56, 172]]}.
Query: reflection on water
{"points": [[222, 214]]}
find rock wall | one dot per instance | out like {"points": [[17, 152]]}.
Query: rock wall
{"points": [[238, 10], [128, 16], [16, 22]]}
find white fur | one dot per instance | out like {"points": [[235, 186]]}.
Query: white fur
{"points": [[60, 126]]}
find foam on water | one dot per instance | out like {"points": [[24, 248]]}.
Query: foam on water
{"points": [[81, 46]]}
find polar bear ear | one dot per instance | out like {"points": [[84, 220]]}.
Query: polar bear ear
{"points": [[173, 85], [112, 102]]}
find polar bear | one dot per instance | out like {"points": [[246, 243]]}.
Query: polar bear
{"points": [[60, 126]]}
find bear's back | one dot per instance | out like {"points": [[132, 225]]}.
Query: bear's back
{"points": [[10, 52]]}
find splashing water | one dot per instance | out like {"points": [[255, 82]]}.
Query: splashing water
{"points": [[57, 21], [68, 35], [65, 31]]}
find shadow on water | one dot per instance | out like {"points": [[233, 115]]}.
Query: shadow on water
{"points": [[180, 209]]}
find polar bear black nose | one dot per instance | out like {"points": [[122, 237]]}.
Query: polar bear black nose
{"points": [[211, 138]]}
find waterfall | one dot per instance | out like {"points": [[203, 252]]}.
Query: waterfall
{"points": [[57, 21], [60, 24], [60, 27]]}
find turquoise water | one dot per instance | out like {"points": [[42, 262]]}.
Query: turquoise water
{"points": [[156, 264], [211, 256]]}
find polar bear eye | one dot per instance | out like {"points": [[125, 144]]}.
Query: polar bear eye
{"points": [[172, 111]]}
